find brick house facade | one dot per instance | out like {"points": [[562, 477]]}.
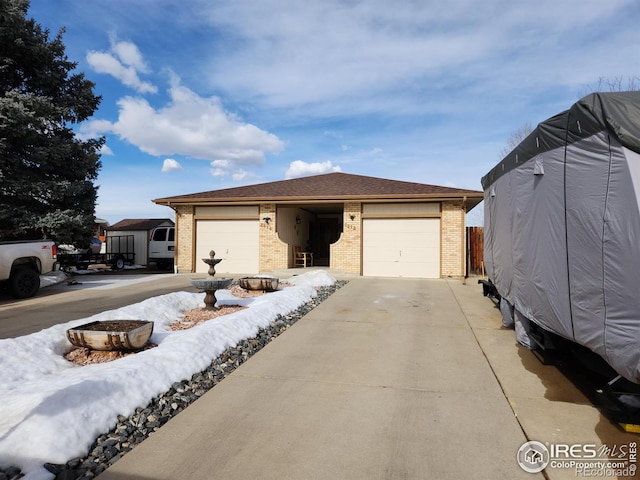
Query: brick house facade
{"points": [[353, 223]]}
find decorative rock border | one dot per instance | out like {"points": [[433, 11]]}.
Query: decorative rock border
{"points": [[109, 447]]}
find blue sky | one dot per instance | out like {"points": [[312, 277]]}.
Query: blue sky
{"points": [[200, 95]]}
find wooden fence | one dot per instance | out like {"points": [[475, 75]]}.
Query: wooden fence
{"points": [[475, 249]]}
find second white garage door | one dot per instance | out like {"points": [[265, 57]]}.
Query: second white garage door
{"points": [[401, 247], [236, 242]]}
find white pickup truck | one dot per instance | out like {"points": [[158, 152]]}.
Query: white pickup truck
{"points": [[22, 263]]}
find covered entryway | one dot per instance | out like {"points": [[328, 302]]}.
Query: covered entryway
{"points": [[311, 227], [236, 242], [401, 247]]}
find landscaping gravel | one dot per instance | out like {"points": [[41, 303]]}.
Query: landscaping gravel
{"points": [[109, 447]]}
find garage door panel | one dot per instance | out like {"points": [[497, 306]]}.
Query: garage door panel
{"points": [[236, 242], [420, 270], [401, 247]]}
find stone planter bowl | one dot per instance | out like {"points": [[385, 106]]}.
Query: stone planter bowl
{"points": [[112, 335], [268, 284]]}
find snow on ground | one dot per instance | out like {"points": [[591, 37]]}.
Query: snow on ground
{"points": [[53, 278], [97, 268], [52, 410]]}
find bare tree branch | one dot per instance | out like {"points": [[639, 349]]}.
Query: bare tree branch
{"points": [[515, 138]]}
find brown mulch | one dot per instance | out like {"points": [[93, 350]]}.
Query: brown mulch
{"points": [[85, 356], [114, 325], [238, 291], [198, 315]]}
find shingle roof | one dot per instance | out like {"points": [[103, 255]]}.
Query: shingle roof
{"points": [[130, 224], [330, 186]]}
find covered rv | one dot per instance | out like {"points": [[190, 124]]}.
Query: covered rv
{"points": [[562, 228]]}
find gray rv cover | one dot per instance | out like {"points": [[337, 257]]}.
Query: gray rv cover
{"points": [[562, 227]]}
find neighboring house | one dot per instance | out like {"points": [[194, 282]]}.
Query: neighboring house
{"points": [[351, 223], [99, 228], [141, 230]]}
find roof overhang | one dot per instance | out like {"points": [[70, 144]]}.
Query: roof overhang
{"points": [[470, 200]]}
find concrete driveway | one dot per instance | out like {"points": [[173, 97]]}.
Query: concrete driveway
{"points": [[388, 378], [90, 294]]}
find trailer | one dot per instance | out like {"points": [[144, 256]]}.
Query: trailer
{"points": [[119, 251], [562, 238], [562, 229], [154, 239]]}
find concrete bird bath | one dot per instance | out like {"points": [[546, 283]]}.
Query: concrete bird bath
{"points": [[209, 285]]}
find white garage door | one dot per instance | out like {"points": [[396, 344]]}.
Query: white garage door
{"points": [[236, 242], [407, 247]]}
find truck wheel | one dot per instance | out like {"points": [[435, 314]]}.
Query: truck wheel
{"points": [[118, 263], [24, 282]]}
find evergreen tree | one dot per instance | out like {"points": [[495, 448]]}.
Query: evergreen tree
{"points": [[47, 174]]}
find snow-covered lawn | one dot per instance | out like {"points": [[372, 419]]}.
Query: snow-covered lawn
{"points": [[52, 410]]}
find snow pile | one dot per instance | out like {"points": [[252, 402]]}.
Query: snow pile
{"points": [[53, 278], [52, 410]]}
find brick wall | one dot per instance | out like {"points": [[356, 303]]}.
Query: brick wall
{"points": [[274, 253], [453, 239], [346, 254], [185, 242]]}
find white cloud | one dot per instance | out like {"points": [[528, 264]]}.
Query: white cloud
{"points": [[123, 62], [129, 54], [226, 168], [219, 172], [221, 168], [298, 168], [378, 56], [371, 46], [193, 126], [437, 85], [171, 165], [226, 164], [94, 128], [243, 176], [105, 150]]}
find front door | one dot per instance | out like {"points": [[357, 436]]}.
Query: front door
{"points": [[324, 232]]}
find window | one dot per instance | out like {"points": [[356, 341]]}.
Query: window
{"points": [[159, 235]]}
